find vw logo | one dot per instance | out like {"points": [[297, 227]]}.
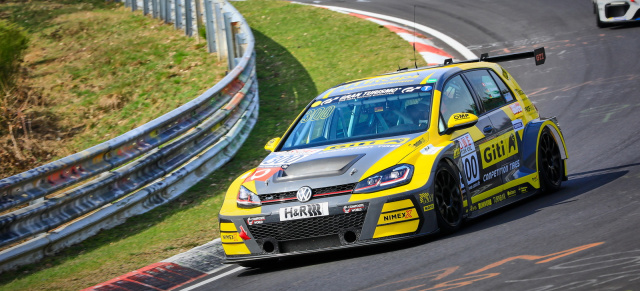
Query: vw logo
{"points": [[304, 194]]}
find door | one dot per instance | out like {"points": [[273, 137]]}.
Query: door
{"points": [[458, 98], [499, 156]]}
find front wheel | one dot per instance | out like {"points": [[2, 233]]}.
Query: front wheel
{"points": [[550, 165], [599, 22], [448, 198]]}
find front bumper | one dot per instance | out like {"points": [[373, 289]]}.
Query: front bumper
{"points": [[348, 224], [618, 12]]}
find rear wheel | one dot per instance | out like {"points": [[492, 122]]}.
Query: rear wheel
{"points": [[550, 166], [448, 198]]}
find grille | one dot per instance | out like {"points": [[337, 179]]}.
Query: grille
{"points": [[317, 192], [306, 228]]}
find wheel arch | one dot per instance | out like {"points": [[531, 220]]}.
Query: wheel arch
{"points": [[531, 138], [451, 155]]}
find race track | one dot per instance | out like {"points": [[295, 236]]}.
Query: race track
{"points": [[586, 236]]}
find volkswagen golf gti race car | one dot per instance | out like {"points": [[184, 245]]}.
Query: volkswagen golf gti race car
{"points": [[393, 157], [611, 12]]}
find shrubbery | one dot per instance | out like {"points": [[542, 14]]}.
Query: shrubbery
{"points": [[13, 42]]}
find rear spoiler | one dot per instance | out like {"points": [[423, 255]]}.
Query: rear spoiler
{"points": [[538, 54]]}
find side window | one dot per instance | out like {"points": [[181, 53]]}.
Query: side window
{"points": [[503, 87], [456, 98], [486, 88]]}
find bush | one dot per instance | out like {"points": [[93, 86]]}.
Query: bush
{"points": [[13, 42]]}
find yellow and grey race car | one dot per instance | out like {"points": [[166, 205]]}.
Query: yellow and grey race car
{"points": [[394, 157]]}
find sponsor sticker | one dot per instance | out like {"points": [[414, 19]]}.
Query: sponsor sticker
{"points": [[426, 198], [402, 215], [516, 108], [466, 144], [380, 81], [304, 211], [498, 149], [261, 174], [410, 89], [289, 157], [517, 124], [430, 150], [353, 208], [426, 88], [255, 220], [230, 237], [395, 141]]}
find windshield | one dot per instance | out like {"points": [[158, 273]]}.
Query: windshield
{"points": [[362, 115]]}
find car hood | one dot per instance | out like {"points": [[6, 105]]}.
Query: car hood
{"points": [[330, 165]]}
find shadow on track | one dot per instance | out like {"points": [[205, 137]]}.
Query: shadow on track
{"points": [[578, 184]]}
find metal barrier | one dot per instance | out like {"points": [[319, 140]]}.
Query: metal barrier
{"points": [[139, 170]]}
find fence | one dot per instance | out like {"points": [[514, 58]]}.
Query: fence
{"points": [[221, 28], [141, 169]]}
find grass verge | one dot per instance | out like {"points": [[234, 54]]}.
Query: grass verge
{"points": [[301, 51], [93, 71]]}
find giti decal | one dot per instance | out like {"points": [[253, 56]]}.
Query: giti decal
{"points": [[395, 141], [498, 149]]}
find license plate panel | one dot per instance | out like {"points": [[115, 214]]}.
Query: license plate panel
{"points": [[304, 211]]}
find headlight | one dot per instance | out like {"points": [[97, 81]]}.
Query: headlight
{"points": [[246, 198], [393, 177]]}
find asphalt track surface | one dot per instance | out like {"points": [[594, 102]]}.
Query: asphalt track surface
{"points": [[584, 237]]}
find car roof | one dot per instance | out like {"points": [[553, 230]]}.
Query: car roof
{"points": [[420, 76]]}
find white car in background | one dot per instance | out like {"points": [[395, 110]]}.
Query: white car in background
{"points": [[611, 12]]}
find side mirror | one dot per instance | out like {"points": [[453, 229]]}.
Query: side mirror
{"points": [[459, 121], [273, 143]]}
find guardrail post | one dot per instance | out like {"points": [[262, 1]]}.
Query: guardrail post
{"points": [[156, 8], [145, 7], [134, 5], [167, 12], [231, 56], [126, 3], [221, 39], [199, 22], [211, 32], [163, 8], [178, 7], [188, 21]]}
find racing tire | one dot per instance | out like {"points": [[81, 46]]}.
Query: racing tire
{"points": [[550, 164], [447, 198]]}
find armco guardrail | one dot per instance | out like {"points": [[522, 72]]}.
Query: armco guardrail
{"points": [[132, 174]]}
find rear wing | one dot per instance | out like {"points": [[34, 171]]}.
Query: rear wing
{"points": [[538, 54]]}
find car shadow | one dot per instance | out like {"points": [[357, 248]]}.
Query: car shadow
{"points": [[578, 184], [625, 25]]}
